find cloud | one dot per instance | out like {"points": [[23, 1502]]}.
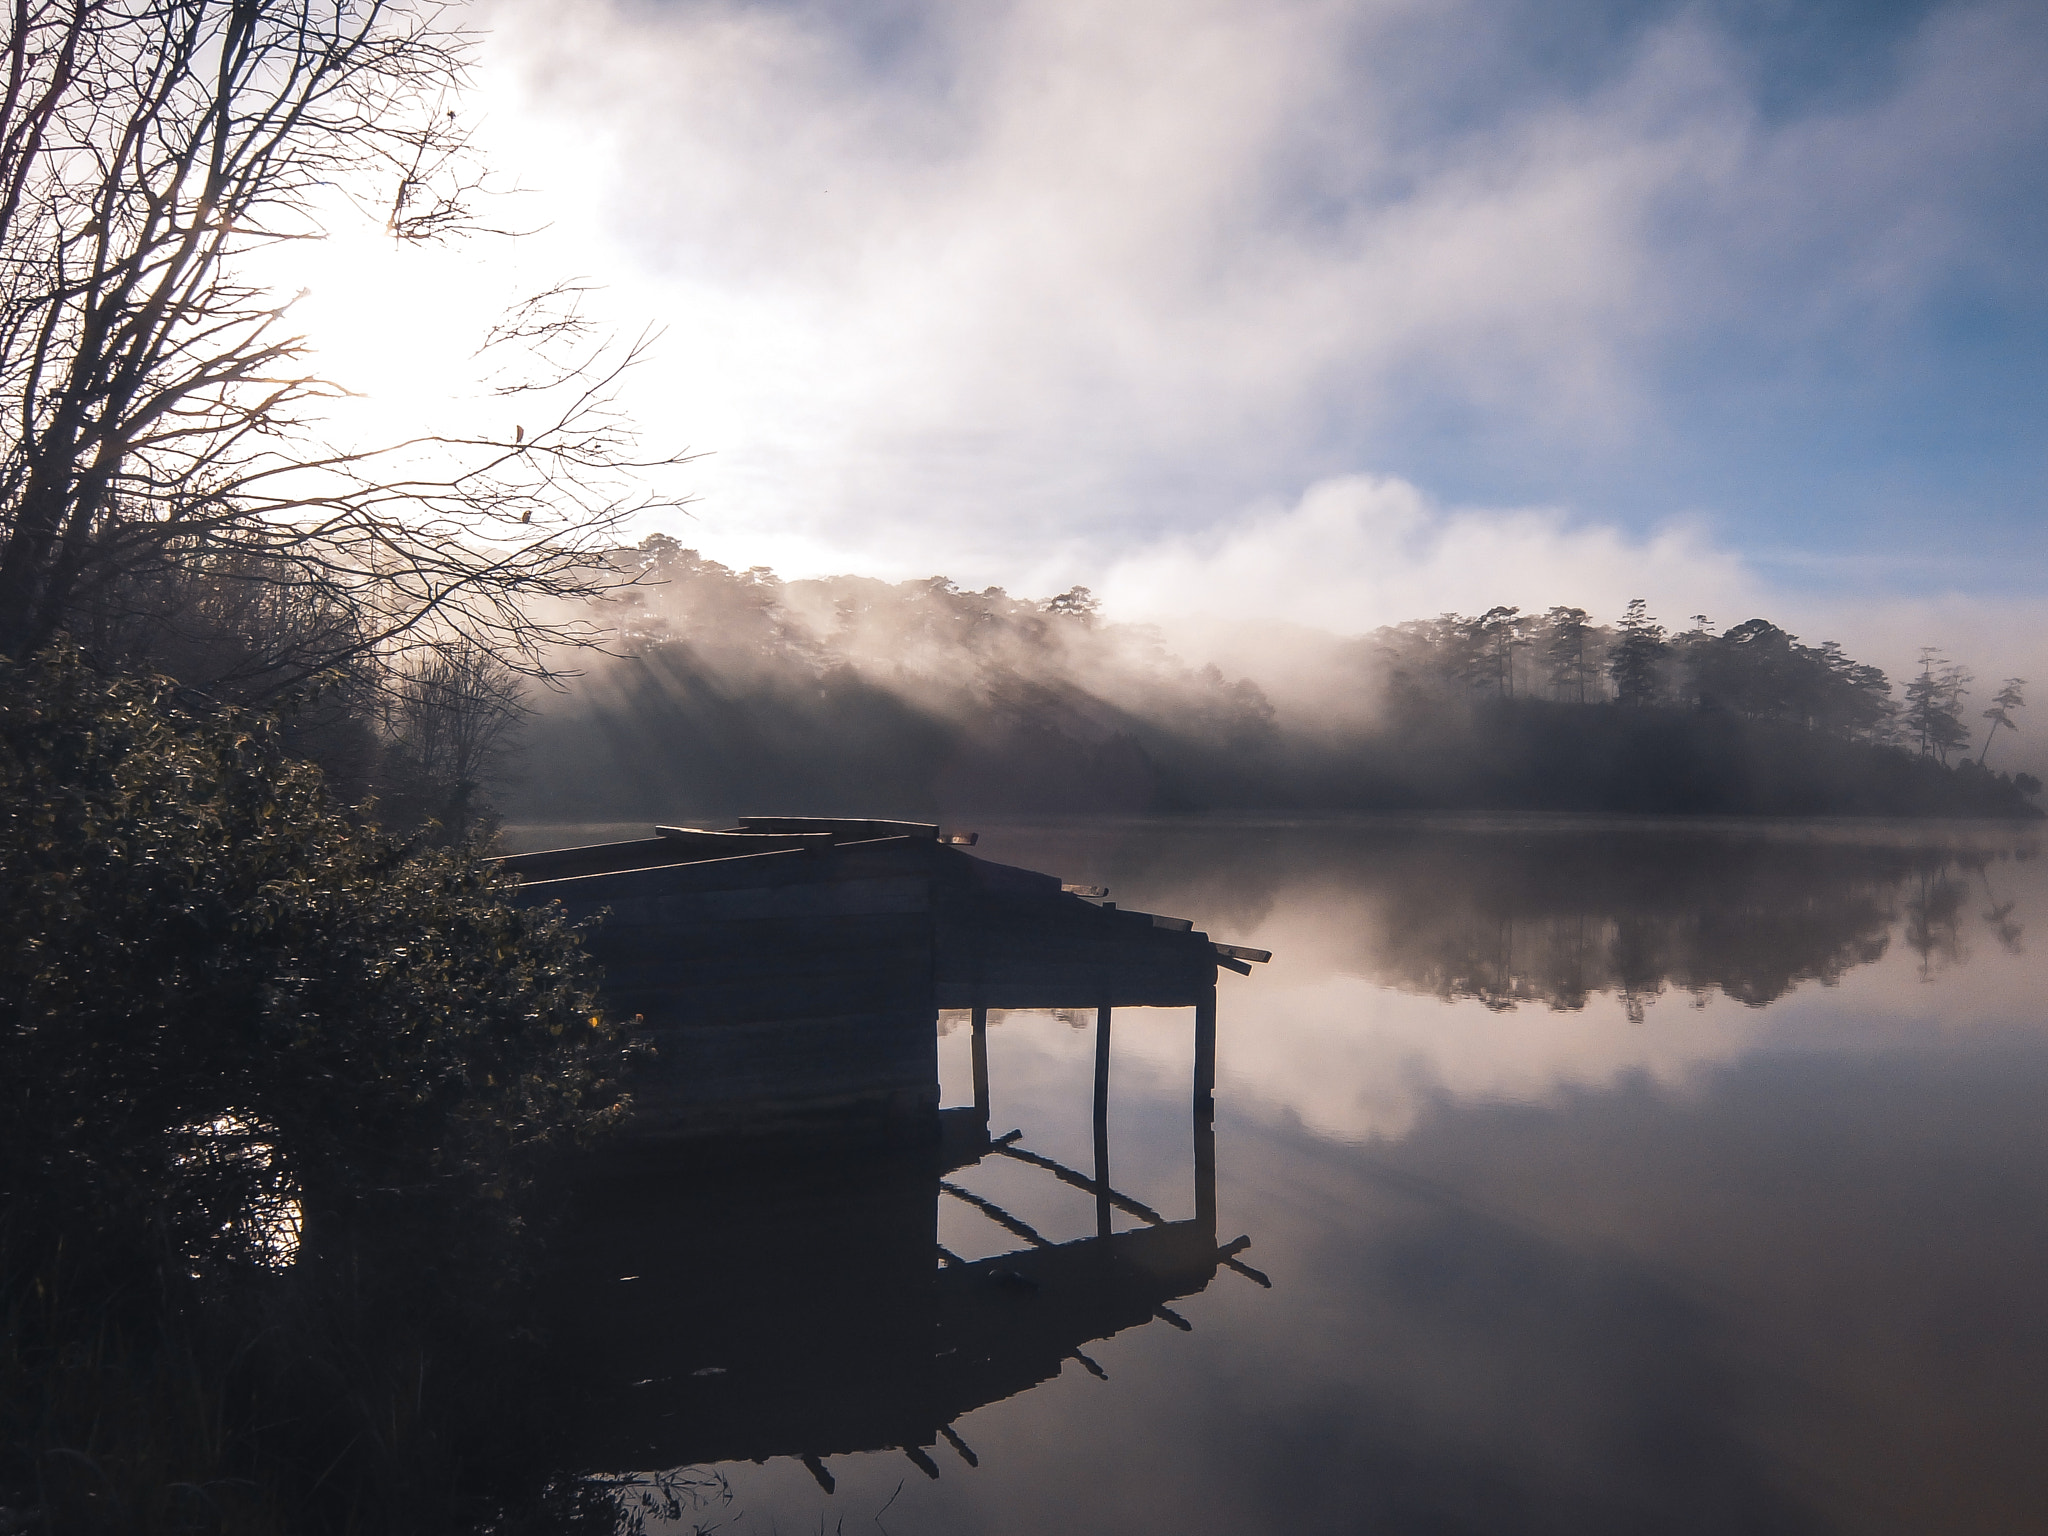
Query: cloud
{"points": [[975, 286], [1359, 551], [1265, 592]]}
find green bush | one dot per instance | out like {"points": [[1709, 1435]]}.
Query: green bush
{"points": [[238, 1027]]}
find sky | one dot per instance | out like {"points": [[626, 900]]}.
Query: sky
{"points": [[1317, 312]]}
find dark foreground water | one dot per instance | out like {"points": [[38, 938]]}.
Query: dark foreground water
{"points": [[1598, 1178]]}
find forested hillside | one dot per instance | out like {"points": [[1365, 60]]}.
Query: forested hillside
{"points": [[737, 691]]}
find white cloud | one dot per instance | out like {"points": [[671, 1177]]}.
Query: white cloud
{"points": [[1068, 274], [1360, 551], [1012, 291]]}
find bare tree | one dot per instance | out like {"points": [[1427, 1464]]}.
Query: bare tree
{"points": [[156, 406], [449, 714]]}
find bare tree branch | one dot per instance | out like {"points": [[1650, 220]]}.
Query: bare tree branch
{"points": [[160, 409]]}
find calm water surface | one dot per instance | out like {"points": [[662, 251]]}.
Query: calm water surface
{"points": [[1598, 1177]]}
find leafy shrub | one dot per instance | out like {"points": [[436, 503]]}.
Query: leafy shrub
{"points": [[195, 938], [237, 1026]]}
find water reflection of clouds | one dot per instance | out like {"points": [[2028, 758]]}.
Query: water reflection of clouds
{"points": [[1459, 1369], [1860, 1242], [1759, 1257], [1354, 1061], [1520, 962], [1795, 1298], [1798, 1297]]}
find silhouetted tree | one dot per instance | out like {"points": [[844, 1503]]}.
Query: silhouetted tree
{"points": [[449, 715], [1934, 705], [1751, 670], [1638, 656], [1074, 603], [1499, 633], [1855, 698], [156, 405], [1759, 671], [1568, 666], [2010, 698]]}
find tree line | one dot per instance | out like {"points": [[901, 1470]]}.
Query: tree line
{"points": [[734, 688], [1755, 669]]}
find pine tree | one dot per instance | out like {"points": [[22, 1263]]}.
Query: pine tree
{"points": [[1934, 702], [2010, 698], [1638, 656]]}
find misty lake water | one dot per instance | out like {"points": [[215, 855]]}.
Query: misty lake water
{"points": [[1599, 1177]]}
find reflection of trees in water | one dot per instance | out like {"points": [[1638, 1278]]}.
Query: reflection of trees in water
{"points": [[1997, 916], [1937, 924], [1934, 932], [1551, 913], [1556, 919]]}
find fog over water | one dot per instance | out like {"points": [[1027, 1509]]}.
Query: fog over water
{"points": [[1608, 1176]]}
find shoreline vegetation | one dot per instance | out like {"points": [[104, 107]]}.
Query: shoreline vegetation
{"points": [[286, 1102], [286, 1076], [735, 689]]}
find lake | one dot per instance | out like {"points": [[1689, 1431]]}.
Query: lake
{"points": [[1597, 1176]]}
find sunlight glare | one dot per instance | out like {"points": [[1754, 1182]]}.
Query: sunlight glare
{"points": [[398, 326]]}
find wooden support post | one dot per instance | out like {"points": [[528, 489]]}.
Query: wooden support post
{"points": [[1205, 1111], [966, 1453], [981, 1065], [1102, 1206]]}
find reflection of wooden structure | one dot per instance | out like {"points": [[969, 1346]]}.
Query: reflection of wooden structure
{"points": [[787, 970], [793, 1299], [803, 1307]]}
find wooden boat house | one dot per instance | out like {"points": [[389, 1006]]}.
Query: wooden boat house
{"points": [[788, 970]]}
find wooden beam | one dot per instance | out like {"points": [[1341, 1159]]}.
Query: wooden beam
{"points": [[981, 1064], [1067, 1175], [1102, 1195], [843, 828], [1248, 1272], [997, 1214], [1205, 1111], [959, 1445]]}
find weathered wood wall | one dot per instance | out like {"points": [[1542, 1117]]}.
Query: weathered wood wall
{"points": [[778, 991]]}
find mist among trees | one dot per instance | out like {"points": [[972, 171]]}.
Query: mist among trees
{"points": [[737, 691]]}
